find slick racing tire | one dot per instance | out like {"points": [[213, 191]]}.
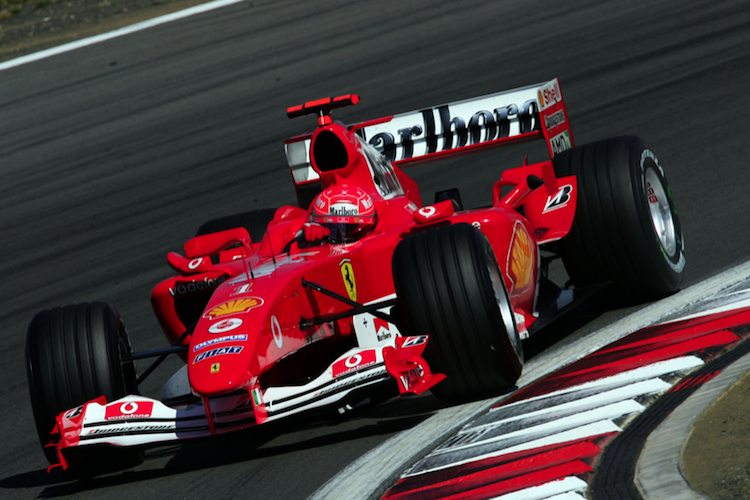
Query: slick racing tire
{"points": [[74, 354], [255, 222], [450, 287], [626, 229]]}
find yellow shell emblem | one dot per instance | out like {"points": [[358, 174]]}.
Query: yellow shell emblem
{"points": [[347, 273], [238, 306], [520, 262]]}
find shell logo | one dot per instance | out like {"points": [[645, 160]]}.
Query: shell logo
{"points": [[238, 306], [520, 260]]}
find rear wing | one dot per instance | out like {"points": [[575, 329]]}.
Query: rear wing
{"points": [[536, 111]]}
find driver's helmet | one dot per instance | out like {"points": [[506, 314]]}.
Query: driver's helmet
{"points": [[348, 211]]}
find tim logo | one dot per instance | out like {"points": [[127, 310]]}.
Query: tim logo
{"points": [[559, 199]]}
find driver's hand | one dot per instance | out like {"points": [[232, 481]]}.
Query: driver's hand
{"points": [[315, 232]]}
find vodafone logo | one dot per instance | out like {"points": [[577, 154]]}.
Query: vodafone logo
{"points": [[193, 264], [354, 362], [427, 211], [226, 325], [129, 409]]}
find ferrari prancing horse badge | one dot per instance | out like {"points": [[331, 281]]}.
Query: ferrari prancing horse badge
{"points": [[347, 272]]}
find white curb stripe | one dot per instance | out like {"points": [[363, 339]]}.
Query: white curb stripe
{"points": [[547, 490], [650, 371], [652, 386], [578, 434], [567, 496], [716, 310], [574, 421], [366, 474], [168, 18]]}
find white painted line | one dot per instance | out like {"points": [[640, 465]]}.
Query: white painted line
{"points": [[604, 413], [652, 386], [60, 49], [578, 434], [550, 491]]}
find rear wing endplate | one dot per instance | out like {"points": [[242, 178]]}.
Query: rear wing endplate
{"points": [[456, 128]]}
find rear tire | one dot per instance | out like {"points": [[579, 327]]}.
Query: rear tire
{"points": [[75, 354], [450, 287], [626, 228], [255, 222]]}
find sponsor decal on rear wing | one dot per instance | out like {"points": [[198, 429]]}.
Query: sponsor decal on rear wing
{"points": [[456, 128]]}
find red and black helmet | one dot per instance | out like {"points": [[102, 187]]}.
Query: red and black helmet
{"points": [[348, 211]]}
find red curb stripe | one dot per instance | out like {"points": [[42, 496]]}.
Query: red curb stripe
{"points": [[573, 468], [593, 367], [696, 326], [681, 330], [460, 481], [644, 356], [694, 381]]}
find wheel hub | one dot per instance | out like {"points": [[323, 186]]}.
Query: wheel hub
{"points": [[661, 213]]}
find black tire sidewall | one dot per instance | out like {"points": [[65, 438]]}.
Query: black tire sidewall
{"points": [[442, 280], [675, 264], [503, 307], [613, 238], [74, 354]]}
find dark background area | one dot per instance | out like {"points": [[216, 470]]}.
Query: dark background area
{"points": [[114, 154]]}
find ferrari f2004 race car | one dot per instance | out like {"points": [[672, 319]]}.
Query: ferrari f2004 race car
{"points": [[363, 292]]}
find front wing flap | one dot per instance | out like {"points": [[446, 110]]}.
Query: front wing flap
{"points": [[141, 421]]}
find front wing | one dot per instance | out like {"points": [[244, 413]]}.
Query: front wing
{"points": [[141, 421]]}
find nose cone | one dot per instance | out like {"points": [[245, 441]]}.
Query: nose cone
{"points": [[222, 356]]}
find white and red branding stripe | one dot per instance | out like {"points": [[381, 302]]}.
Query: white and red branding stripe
{"points": [[356, 369], [128, 409], [355, 362], [540, 444]]}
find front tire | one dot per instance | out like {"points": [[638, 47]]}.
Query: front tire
{"points": [[626, 228], [74, 354], [450, 287]]}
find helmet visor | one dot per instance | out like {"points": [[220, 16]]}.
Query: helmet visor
{"points": [[342, 232]]}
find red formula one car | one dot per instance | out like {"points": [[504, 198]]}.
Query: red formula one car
{"points": [[363, 292]]}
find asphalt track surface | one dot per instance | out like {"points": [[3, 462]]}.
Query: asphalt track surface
{"points": [[112, 155]]}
